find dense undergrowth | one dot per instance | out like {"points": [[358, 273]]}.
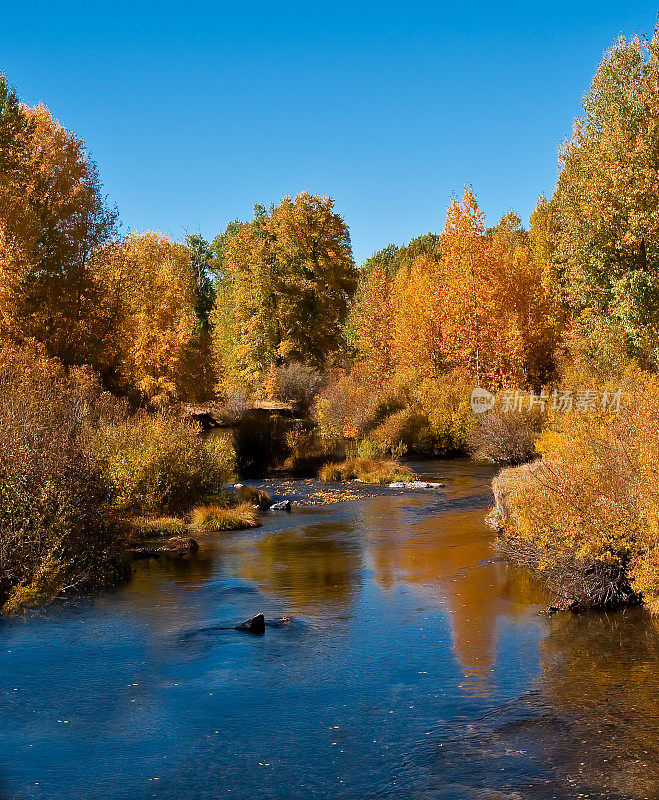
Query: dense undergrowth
{"points": [[586, 513], [75, 463]]}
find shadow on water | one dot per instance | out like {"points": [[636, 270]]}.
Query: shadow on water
{"points": [[402, 658]]}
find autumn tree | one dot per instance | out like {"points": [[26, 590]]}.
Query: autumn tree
{"points": [[157, 320], [393, 257], [463, 246], [478, 306], [370, 322], [53, 219], [605, 210], [286, 282], [418, 320], [202, 257], [10, 128]]}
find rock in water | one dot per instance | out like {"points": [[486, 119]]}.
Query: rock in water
{"points": [[254, 625], [282, 505], [180, 546]]}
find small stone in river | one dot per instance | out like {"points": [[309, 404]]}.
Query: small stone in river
{"points": [[253, 625], [282, 505]]}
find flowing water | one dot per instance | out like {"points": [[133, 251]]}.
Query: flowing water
{"points": [[413, 664]]}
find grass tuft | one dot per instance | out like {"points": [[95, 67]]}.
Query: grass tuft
{"points": [[214, 517], [157, 526], [369, 470]]}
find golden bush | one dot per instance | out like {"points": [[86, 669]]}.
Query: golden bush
{"points": [[158, 461], [592, 501]]}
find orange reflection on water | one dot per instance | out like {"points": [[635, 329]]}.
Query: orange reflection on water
{"points": [[448, 556]]}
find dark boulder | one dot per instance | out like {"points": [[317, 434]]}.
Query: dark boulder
{"points": [[254, 625], [180, 546], [252, 495]]}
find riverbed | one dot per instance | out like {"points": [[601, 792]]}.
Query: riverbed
{"points": [[402, 659]]}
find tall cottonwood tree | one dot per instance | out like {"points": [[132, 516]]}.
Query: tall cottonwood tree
{"points": [[53, 218], [284, 293], [157, 319]]}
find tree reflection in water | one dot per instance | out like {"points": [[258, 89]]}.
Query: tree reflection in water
{"points": [[448, 557], [313, 569], [601, 669]]}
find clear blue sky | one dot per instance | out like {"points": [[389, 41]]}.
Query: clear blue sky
{"points": [[194, 112]]}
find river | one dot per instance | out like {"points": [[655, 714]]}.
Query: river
{"points": [[411, 663]]}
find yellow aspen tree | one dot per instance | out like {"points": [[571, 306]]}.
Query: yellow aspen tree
{"points": [[159, 319]]}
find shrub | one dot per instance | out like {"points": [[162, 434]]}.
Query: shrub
{"points": [[158, 461], [298, 384], [53, 501], [235, 403], [348, 399], [371, 448], [407, 427], [588, 513], [505, 438], [214, 517], [445, 402]]}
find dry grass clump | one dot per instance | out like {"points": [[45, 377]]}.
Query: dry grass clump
{"points": [[157, 526], [587, 514], [217, 517], [379, 471]]}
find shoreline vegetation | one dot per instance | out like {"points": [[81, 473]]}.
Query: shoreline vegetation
{"points": [[120, 356]]}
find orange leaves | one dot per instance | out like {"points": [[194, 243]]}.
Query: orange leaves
{"points": [[479, 306], [373, 322], [52, 218], [418, 320]]}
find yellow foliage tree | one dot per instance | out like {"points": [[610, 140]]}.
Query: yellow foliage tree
{"points": [[53, 219], [418, 320], [589, 510], [288, 277], [158, 320], [372, 322], [479, 308]]}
